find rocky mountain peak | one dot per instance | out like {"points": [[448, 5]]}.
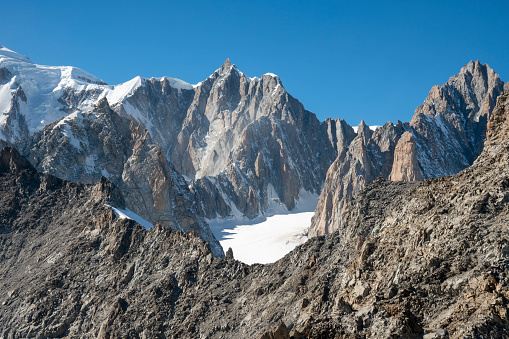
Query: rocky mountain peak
{"points": [[445, 136], [474, 67], [12, 161], [472, 91], [362, 128], [227, 65], [364, 132]]}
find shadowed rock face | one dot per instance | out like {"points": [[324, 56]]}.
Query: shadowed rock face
{"points": [[445, 135], [83, 147], [410, 259]]}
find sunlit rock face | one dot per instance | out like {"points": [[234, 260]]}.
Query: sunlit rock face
{"points": [[214, 133], [239, 138]]}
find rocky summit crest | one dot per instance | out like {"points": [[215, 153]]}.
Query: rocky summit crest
{"points": [[226, 66]]}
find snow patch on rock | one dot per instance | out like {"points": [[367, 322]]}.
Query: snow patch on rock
{"points": [[128, 214]]}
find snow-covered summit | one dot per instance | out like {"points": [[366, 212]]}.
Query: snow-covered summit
{"points": [[177, 83], [272, 75], [6, 53], [36, 93]]}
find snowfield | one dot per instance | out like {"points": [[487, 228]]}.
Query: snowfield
{"points": [[268, 238]]}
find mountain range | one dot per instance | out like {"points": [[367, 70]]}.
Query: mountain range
{"points": [[230, 145], [409, 260]]}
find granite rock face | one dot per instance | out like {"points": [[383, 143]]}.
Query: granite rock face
{"points": [[405, 166], [368, 156], [83, 147], [244, 143], [451, 123], [427, 259], [445, 135], [239, 138]]}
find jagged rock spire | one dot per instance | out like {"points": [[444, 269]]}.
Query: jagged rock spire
{"points": [[226, 66]]}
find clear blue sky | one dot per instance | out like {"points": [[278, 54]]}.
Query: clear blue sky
{"points": [[371, 60]]}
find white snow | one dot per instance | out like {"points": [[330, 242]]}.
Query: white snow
{"points": [[139, 116], [373, 128], [66, 130], [43, 86], [126, 213], [177, 83], [440, 123], [268, 238], [5, 95], [4, 51], [257, 241], [121, 91]]}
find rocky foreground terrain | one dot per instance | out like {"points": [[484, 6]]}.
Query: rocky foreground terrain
{"points": [[410, 260]]}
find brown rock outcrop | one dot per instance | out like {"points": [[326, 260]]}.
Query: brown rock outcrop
{"points": [[367, 157], [405, 166]]}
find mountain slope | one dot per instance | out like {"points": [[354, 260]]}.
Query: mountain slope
{"points": [[64, 250], [32, 96], [238, 137], [244, 143], [445, 135]]}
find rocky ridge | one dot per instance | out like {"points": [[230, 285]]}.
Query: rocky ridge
{"points": [[85, 146], [410, 260], [445, 135], [63, 249]]}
